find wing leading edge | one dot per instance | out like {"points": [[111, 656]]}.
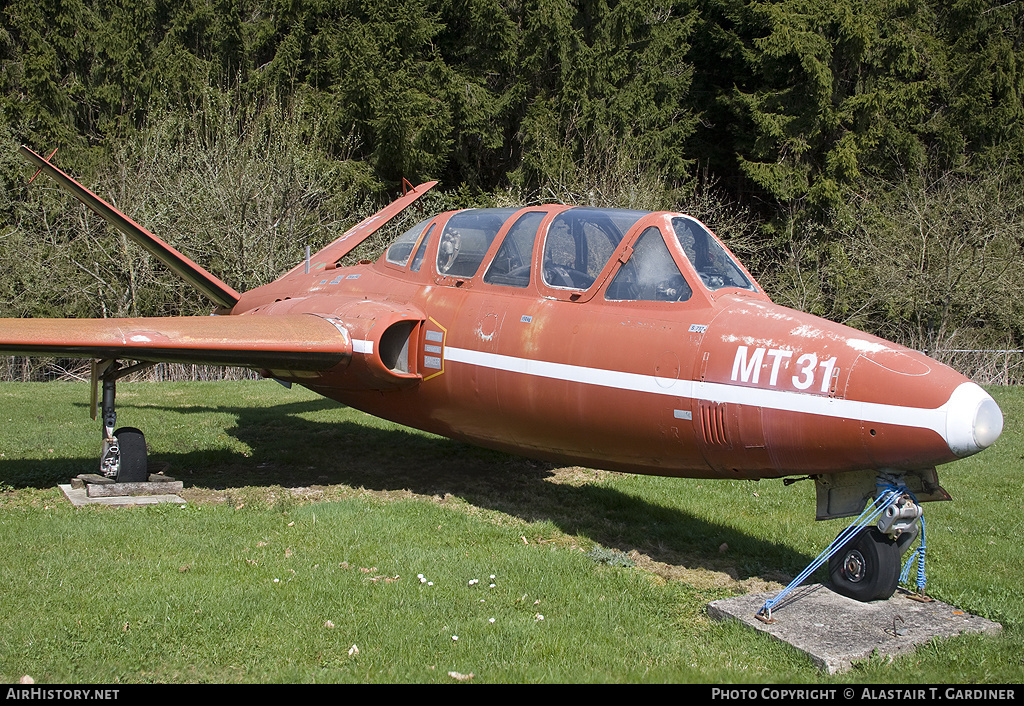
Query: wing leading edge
{"points": [[292, 342]]}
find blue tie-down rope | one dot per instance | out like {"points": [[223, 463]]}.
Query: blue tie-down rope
{"points": [[919, 555], [869, 515]]}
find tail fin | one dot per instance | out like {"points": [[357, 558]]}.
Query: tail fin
{"points": [[330, 255], [189, 271]]}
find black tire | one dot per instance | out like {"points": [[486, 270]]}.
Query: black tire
{"points": [[132, 448], [867, 567]]}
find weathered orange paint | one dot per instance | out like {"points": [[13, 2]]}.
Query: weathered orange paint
{"points": [[722, 384], [569, 421]]}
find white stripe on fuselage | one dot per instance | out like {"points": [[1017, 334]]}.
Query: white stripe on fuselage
{"points": [[872, 412]]}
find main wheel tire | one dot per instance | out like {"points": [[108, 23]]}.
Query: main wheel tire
{"points": [[134, 467], [867, 567]]}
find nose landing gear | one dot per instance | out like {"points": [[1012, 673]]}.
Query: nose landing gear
{"points": [[864, 560], [867, 566]]}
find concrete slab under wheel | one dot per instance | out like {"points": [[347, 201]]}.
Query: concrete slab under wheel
{"points": [[79, 497], [836, 631]]}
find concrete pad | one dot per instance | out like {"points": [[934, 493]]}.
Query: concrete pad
{"points": [[836, 631], [80, 497], [113, 490]]}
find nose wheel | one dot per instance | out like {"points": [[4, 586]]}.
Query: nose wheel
{"points": [[867, 567]]}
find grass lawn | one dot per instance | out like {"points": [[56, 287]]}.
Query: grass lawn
{"points": [[322, 545]]}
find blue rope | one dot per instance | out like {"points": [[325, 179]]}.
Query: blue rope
{"points": [[919, 555], [869, 515]]}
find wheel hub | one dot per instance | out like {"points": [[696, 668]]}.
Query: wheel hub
{"points": [[854, 566]]}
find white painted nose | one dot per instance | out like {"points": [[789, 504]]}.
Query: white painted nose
{"points": [[973, 420]]}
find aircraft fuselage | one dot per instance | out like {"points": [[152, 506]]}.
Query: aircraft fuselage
{"points": [[723, 384]]}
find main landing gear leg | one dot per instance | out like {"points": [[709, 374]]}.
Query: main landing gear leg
{"points": [[123, 456]]}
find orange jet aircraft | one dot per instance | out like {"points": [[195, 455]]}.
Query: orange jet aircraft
{"points": [[623, 340]]}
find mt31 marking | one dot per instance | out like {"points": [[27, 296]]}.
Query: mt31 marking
{"points": [[748, 369]]}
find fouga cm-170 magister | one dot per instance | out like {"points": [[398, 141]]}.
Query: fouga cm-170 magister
{"points": [[624, 340]]}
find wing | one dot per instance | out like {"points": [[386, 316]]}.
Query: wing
{"points": [[291, 342]]}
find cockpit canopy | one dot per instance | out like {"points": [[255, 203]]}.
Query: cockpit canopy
{"points": [[642, 255]]}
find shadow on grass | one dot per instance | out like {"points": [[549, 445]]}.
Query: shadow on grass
{"points": [[291, 451]]}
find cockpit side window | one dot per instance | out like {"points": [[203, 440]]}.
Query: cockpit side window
{"points": [[466, 239], [717, 269], [514, 259], [580, 242], [400, 250], [650, 273]]}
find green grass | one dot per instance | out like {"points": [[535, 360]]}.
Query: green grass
{"points": [[297, 556]]}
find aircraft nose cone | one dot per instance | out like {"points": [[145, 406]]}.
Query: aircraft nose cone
{"points": [[974, 420]]}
